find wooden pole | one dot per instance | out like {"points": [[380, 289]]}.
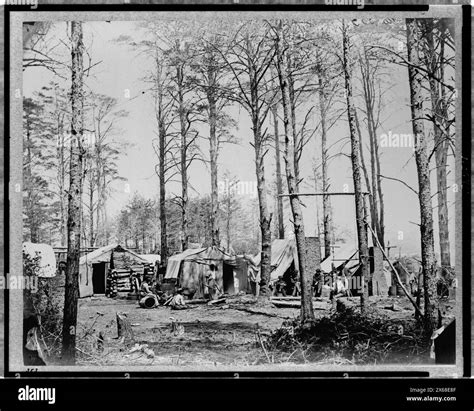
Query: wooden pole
{"points": [[417, 309]]}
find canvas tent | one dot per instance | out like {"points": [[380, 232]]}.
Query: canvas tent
{"points": [[189, 270], [284, 255], [339, 256], [93, 267]]}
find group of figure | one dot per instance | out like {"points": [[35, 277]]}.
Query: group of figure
{"points": [[286, 288], [148, 290], [292, 287]]}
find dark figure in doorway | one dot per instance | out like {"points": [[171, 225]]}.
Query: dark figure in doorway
{"points": [[296, 286], [280, 287], [317, 283]]}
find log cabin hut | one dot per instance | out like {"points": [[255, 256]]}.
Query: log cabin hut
{"points": [[93, 269]]}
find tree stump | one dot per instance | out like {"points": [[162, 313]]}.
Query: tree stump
{"points": [[124, 329]]}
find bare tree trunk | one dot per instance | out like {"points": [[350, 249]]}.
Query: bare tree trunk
{"points": [[442, 187], [163, 230], [30, 206], [184, 162], [61, 179], [74, 198], [162, 141], [422, 165], [98, 207], [440, 115], [327, 214], [292, 108], [229, 217], [307, 313], [91, 212], [281, 227], [377, 206], [367, 180], [106, 223], [213, 154], [373, 175], [381, 222], [265, 217], [355, 158]]}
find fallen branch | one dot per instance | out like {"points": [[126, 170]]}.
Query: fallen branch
{"points": [[197, 301], [219, 301], [291, 298], [261, 313], [90, 329], [294, 304]]}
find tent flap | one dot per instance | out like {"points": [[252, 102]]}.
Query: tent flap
{"points": [[284, 253]]}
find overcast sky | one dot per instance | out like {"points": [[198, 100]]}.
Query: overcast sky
{"points": [[122, 70]]}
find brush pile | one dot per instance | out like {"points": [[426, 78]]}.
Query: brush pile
{"points": [[354, 338]]}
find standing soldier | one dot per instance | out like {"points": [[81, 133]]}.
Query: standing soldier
{"points": [[210, 289], [134, 284], [317, 283]]}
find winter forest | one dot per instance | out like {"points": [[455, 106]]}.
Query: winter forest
{"points": [[233, 130]]}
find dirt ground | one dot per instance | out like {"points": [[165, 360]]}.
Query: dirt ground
{"points": [[210, 335]]}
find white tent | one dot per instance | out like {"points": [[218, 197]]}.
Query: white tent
{"points": [[46, 260], [284, 253], [174, 262], [339, 256], [190, 269]]}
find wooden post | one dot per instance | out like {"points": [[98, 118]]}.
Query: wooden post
{"points": [[322, 194]]}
